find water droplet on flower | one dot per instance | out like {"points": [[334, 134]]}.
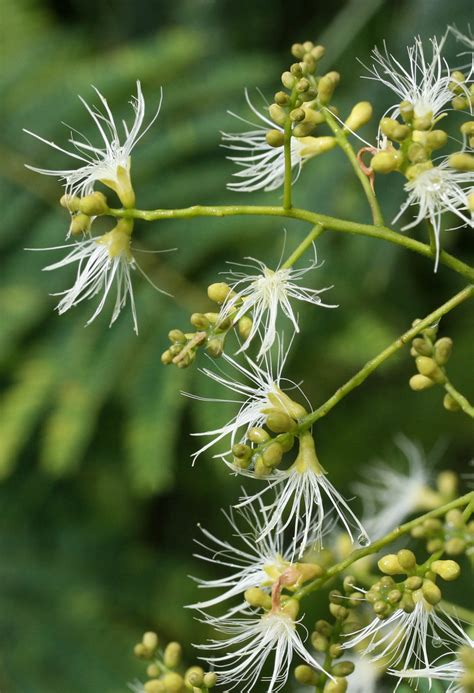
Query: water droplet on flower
{"points": [[363, 540], [437, 641]]}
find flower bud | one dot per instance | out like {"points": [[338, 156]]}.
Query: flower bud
{"points": [[343, 668], [462, 161], [210, 679], [297, 115], [447, 483], [414, 582], [455, 546], [448, 570], [244, 326], [70, 202], [305, 675], [386, 161], [258, 435], [338, 685], [288, 80], [195, 678], [166, 357], [172, 654], [278, 114], [442, 350], [150, 640], [319, 642], [406, 111], [359, 116], [302, 85], [93, 205], [272, 455], [313, 146], [241, 451], [417, 153], [303, 129], [423, 122], [297, 70], [429, 368], [154, 686], [141, 651], [422, 346], [275, 138], [470, 200], [407, 559], [153, 671], [394, 130], [436, 139], [176, 336], [173, 682], [215, 347], [218, 292], [291, 608], [80, 223], [431, 592], [327, 85], [279, 422], [199, 321], [389, 565], [459, 103], [420, 382], [298, 50]]}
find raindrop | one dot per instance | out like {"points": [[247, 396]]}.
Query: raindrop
{"points": [[363, 540]]}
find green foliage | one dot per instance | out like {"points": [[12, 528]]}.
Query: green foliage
{"points": [[94, 433]]}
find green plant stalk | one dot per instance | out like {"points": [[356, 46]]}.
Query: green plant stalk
{"points": [[392, 536], [315, 232], [287, 180], [345, 145], [330, 223], [374, 363], [463, 402]]}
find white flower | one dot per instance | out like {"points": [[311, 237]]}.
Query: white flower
{"points": [[402, 639], [109, 162], [437, 190], [251, 563], [390, 495], [365, 677], [449, 667], [302, 492], [261, 166], [424, 82], [263, 384], [256, 639], [264, 293], [103, 262]]}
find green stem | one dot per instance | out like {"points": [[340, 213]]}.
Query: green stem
{"points": [[464, 403], [331, 223], [315, 232], [356, 555], [346, 147], [288, 176], [374, 363]]}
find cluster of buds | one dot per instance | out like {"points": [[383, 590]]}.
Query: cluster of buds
{"points": [[454, 535], [163, 669], [83, 210], [326, 639], [211, 330], [387, 595], [305, 102], [463, 96], [431, 356], [263, 452]]}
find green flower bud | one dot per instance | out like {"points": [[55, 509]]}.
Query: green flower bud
{"points": [[297, 49], [176, 336], [319, 642], [303, 129], [417, 154], [431, 592], [462, 161], [305, 675], [195, 678], [154, 686], [258, 598], [244, 326], [389, 565], [343, 668], [372, 596], [394, 596], [241, 451], [420, 382], [150, 640], [423, 122], [260, 468], [448, 570], [454, 518], [281, 98], [470, 200], [166, 357], [455, 546], [215, 347], [434, 545], [459, 103], [302, 85], [442, 350], [335, 650], [279, 422], [407, 603], [297, 115], [394, 130], [447, 483], [467, 128], [386, 161], [430, 369], [278, 114], [339, 685], [275, 138], [288, 80], [199, 321], [258, 435], [413, 583], [153, 671], [70, 202], [422, 346], [210, 679], [318, 52], [291, 608], [406, 111], [218, 292], [436, 139], [359, 116], [94, 205], [323, 627], [173, 682], [339, 612], [327, 85], [142, 652], [381, 608], [407, 559], [80, 223], [172, 655], [296, 69], [272, 455], [313, 146], [349, 583]]}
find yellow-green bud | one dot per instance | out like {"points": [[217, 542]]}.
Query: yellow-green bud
{"points": [[278, 114], [339, 612], [70, 202], [470, 201], [281, 98], [154, 686], [199, 321], [429, 368], [244, 326], [394, 596], [279, 422], [258, 435], [93, 205], [394, 130], [423, 122], [407, 603], [140, 651], [343, 668], [423, 347], [176, 336], [302, 85], [389, 565], [407, 559], [172, 654], [313, 146], [80, 223], [467, 129], [260, 468], [305, 675], [420, 382], [448, 570], [288, 80], [297, 114], [335, 650], [380, 608], [272, 455], [150, 640], [327, 85], [258, 598], [296, 69], [338, 685], [303, 129], [417, 153], [173, 682], [455, 546], [447, 483], [275, 138], [153, 671], [436, 139], [459, 103], [442, 350], [312, 114], [215, 347], [359, 116], [462, 161], [406, 111], [318, 52], [386, 161], [166, 357], [414, 582], [218, 292], [210, 679], [298, 50], [319, 642], [195, 678], [291, 608], [241, 451], [431, 592]]}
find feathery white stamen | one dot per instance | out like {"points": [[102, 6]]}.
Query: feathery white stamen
{"points": [[101, 163], [261, 166], [264, 293], [255, 639]]}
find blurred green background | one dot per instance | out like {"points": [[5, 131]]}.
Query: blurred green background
{"points": [[98, 498]]}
